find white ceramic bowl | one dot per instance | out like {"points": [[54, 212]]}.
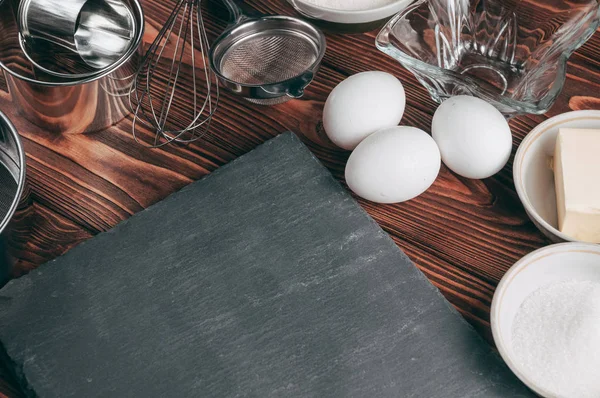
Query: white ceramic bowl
{"points": [[533, 174], [349, 17], [551, 264]]}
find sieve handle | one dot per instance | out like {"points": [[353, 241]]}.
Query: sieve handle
{"points": [[295, 88], [236, 14]]}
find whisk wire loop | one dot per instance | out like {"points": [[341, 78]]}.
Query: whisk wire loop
{"points": [[157, 88]]}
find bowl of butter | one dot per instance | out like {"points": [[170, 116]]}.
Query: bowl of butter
{"points": [[557, 176]]}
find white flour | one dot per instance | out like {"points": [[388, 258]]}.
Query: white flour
{"points": [[556, 338], [351, 5]]}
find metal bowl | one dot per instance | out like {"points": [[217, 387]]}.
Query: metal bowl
{"points": [[12, 184]]}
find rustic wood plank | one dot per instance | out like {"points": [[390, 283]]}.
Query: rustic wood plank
{"points": [[462, 234]]}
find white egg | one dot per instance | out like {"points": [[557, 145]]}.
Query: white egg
{"points": [[473, 136], [361, 105], [393, 165]]}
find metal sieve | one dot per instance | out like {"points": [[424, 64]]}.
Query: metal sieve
{"points": [[12, 183], [267, 60]]}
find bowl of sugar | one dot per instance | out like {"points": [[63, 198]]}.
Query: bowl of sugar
{"points": [[350, 15], [545, 320]]}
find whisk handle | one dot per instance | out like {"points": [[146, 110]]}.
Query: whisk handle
{"points": [[236, 14]]}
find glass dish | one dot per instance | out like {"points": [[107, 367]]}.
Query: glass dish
{"points": [[511, 53]]}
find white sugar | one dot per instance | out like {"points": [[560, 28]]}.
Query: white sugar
{"points": [[556, 338], [350, 5]]}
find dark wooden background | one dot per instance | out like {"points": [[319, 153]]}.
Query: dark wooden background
{"points": [[462, 234]]}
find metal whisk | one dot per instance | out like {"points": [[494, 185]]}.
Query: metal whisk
{"points": [[160, 97]]}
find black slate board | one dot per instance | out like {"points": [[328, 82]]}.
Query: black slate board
{"points": [[264, 279]]}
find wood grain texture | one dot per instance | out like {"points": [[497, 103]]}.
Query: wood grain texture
{"points": [[462, 234]]}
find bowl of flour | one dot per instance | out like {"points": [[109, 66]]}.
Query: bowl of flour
{"points": [[350, 11], [545, 320]]}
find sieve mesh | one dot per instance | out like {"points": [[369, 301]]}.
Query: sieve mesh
{"points": [[8, 191], [270, 101], [268, 58]]}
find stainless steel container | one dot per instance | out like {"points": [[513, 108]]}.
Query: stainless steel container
{"points": [[67, 105], [94, 33], [83, 107], [12, 188]]}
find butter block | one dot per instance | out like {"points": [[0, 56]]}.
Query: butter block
{"points": [[577, 178]]}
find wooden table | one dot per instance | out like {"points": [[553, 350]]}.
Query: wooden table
{"points": [[462, 234]]}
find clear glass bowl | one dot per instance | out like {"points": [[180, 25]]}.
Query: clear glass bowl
{"points": [[511, 53]]}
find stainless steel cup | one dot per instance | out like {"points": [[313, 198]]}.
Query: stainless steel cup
{"points": [[84, 107], [12, 188], [68, 105], [97, 33]]}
